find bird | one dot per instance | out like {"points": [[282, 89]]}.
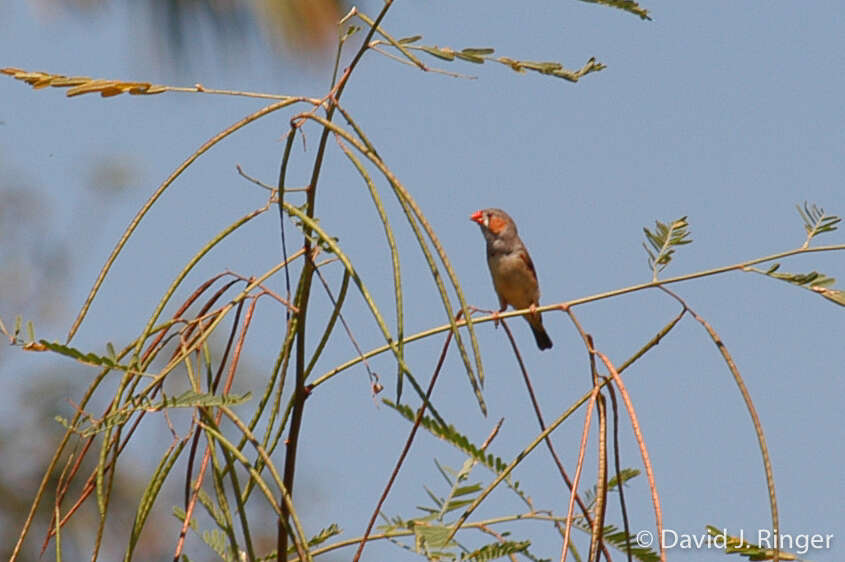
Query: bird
{"points": [[513, 273]]}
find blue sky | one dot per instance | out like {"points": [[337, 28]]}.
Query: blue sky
{"points": [[728, 114]]}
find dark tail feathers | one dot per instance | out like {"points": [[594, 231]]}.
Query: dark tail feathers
{"points": [[540, 335]]}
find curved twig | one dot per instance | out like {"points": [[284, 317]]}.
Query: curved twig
{"points": [[752, 411]]}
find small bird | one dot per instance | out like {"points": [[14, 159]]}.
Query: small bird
{"points": [[514, 276]]}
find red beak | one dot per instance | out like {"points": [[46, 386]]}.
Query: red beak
{"points": [[477, 217]]}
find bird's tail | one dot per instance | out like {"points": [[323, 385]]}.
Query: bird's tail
{"points": [[540, 335]]}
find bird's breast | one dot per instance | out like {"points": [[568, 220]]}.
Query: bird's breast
{"points": [[514, 282]]}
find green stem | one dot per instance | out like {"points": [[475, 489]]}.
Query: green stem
{"points": [[306, 278]]}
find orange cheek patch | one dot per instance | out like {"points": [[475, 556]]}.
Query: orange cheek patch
{"points": [[496, 225]]}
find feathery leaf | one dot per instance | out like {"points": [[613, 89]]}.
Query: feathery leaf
{"points": [[814, 281], [816, 221], [626, 474], [479, 55], [79, 85], [496, 550], [616, 538], [73, 353], [663, 241], [735, 545], [626, 5]]}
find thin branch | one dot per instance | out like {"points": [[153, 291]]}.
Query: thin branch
{"points": [[576, 302], [158, 192], [752, 411], [596, 538], [422, 230], [542, 423], [581, 451], [620, 485], [263, 185], [655, 498], [405, 449], [306, 277], [373, 376]]}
